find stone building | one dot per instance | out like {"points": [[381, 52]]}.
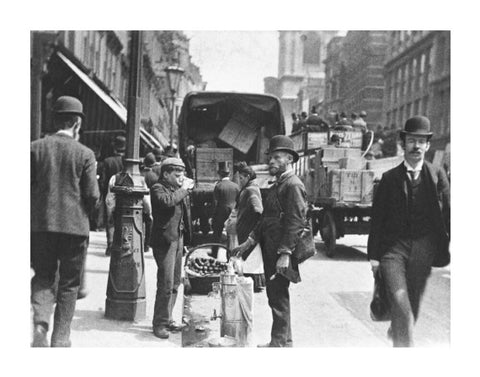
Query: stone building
{"points": [[354, 74], [417, 81], [94, 67], [301, 73]]}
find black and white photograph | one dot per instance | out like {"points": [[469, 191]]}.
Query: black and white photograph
{"points": [[198, 185]]}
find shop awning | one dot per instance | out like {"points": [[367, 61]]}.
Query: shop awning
{"points": [[105, 115]]}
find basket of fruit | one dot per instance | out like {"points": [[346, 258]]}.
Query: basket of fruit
{"points": [[201, 269]]}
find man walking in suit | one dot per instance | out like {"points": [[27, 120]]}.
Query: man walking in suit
{"points": [[410, 228], [224, 198], [64, 190]]}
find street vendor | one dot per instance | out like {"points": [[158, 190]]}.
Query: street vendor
{"points": [[278, 231]]}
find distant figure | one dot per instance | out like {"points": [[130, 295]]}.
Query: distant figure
{"points": [[63, 190], [224, 198], [111, 166], [315, 122], [150, 176], [358, 123], [158, 152], [302, 122], [295, 124]]}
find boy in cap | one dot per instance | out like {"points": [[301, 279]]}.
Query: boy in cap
{"points": [[169, 208]]}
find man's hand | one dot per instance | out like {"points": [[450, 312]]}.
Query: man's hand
{"points": [[375, 265], [283, 263], [242, 248]]}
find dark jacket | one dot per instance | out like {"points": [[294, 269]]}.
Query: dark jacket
{"points": [[111, 166], [225, 194], [63, 185], [150, 177], [390, 211], [283, 220], [250, 208], [169, 210]]}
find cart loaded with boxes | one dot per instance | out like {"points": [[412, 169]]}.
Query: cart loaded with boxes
{"points": [[227, 128], [339, 181]]}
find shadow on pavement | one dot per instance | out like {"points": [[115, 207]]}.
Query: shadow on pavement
{"points": [[342, 253]]}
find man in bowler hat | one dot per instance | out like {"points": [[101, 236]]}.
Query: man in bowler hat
{"points": [[63, 190], [224, 198], [283, 220], [410, 228]]}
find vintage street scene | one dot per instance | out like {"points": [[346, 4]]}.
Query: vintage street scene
{"points": [[248, 189]]}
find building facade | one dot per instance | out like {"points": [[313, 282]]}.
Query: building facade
{"points": [[94, 67], [301, 71], [417, 81], [354, 74]]}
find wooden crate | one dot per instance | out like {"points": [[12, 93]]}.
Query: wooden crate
{"points": [[315, 140], [382, 165], [351, 185], [354, 139], [298, 141], [240, 132], [358, 163], [207, 160]]}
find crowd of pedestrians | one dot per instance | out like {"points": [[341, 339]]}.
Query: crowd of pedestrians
{"points": [[410, 229]]}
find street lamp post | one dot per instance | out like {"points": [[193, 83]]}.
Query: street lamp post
{"points": [[126, 280], [174, 75]]}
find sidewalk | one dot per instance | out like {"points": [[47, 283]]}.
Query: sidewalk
{"points": [[90, 328]]}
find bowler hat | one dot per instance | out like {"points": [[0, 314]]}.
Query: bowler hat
{"points": [[282, 143], [223, 167], [68, 105], [149, 160], [173, 161], [120, 143], [417, 125]]}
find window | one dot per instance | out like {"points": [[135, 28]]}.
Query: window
{"points": [[416, 107], [425, 105], [311, 48]]}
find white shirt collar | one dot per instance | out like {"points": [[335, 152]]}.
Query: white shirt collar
{"points": [[225, 178], [410, 168]]}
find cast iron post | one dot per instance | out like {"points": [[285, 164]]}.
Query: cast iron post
{"points": [[126, 280]]}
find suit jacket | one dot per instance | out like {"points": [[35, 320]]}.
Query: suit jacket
{"points": [[111, 166], [390, 210], [225, 194], [170, 213], [63, 185], [282, 222]]}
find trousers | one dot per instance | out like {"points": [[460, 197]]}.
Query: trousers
{"points": [[169, 264], [405, 267], [51, 251]]}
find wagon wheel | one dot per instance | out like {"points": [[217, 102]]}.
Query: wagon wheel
{"points": [[328, 232]]}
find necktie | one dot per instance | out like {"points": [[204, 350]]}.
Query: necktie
{"points": [[412, 174]]}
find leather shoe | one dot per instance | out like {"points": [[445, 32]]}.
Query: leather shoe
{"points": [[173, 326], [82, 293], [161, 332], [39, 336]]}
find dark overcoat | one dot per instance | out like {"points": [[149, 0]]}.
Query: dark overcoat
{"points": [[64, 187], [390, 210], [283, 220], [170, 213]]}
